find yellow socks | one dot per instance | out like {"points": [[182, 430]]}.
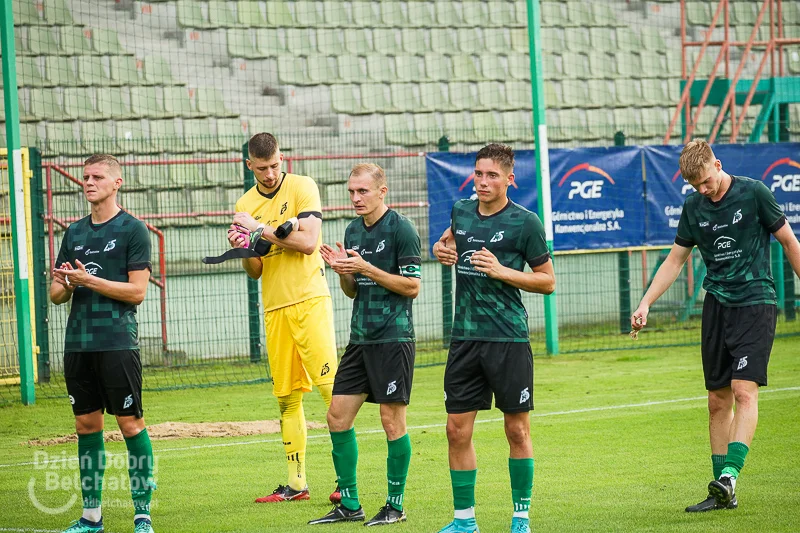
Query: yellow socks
{"points": [[294, 434]]}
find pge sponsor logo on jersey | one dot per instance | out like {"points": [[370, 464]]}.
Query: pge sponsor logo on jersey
{"points": [[92, 268], [686, 189], [787, 181], [586, 189]]}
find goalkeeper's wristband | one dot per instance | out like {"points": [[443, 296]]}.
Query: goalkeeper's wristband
{"points": [[286, 228]]}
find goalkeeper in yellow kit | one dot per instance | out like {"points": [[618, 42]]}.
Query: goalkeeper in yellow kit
{"points": [[298, 313]]}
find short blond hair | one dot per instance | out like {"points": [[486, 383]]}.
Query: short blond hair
{"points": [[696, 156], [110, 162], [373, 170]]}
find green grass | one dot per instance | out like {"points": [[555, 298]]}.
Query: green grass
{"points": [[602, 464]]}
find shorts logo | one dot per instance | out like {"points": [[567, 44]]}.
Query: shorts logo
{"points": [[325, 370], [284, 207], [497, 237], [742, 363], [110, 245], [128, 401], [71, 399], [381, 246], [445, 395], [392, 388], [737, 216], [524, 396]]}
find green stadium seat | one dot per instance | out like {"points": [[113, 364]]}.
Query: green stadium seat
{"points": [[458, 128], [699, 13], [269, 43], [124, 70], [575, 66], [57, 13], [292, 71], [492, 68], [365, 15], [580, 14], [463, 96], [674, 91], [444, 41], [351, 69], [398, 131], [62, 140], [153, 177], [209, 200], [29, 136], [386, 42], [651, 64], [497, 42], [393, 16], [144, 103], [570, 125], [78, 104], [137, 203], [438, 68], [433, 98], [335, 15], [112, 103], [178, 102], [321, 70], [190, 15], [157, 71], [706, 63], [186, 176], [240, 44], [211, 102], [598, 125], [320, 170], [225, 174], [793, 60], [174, 203], [519, 66], [629, 64], [790, 12], [652, 40], [575, 93], [220, 15], [553, 40], [475, 14], [420, 14], [96, 139], [68, 205], [502, 14], [742, 33], [447, 15], [344, 100], [165, 136], [602, 39], [59, 71], [464, 69], [427, 127], [674, 63], [357, 43], [627, 92], [490, 96], [414, 40], [330, 42], [21, 45], [27, 13], [307, 14], [380, 70], [605, 14], [298, 42], [470, 41], [552, 71], [75, 41], [41, 41], [405, 97], [486, 127], [45, 105], [553, 14], [517, 126], [106, 42], [552, 98], [131, 137], [197, 134], [519, 95], [375, 99], [279, 15], [28, 74], [409, 68], [628, 40], [600, 94], [520, 42], [577, 40], [625, 120], [249, 14], [654, 122]]}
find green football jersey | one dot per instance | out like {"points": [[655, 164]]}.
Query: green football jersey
{"points": [[487, 309], [109, 250], [392, 245], [733, 238]]}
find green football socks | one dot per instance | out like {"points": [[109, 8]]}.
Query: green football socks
{"points": [[92, 463], [463, 482], [345, 460], [734, 460], [140, 470], [397, 461], [717, 463], [521, 471]]}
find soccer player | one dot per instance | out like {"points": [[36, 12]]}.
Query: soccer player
{"points": [[730, 220], [103, 266], [490, 352], [379, 267], [301, 342]]}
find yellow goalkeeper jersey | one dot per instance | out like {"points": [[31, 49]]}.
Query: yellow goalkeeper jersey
{"points": [[288, 276]]}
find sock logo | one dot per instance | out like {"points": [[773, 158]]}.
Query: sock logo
{"points": [[392, 388], [325, 370], [524, 396], [128, 401], [742, 363]]}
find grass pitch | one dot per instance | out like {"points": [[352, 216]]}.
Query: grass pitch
{"points": [[620, 440]]}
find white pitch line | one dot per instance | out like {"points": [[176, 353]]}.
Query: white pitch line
{"points": [[426, 426]]}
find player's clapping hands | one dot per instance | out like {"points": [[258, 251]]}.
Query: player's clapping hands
{"points": [[330, 255], [445, 249], [485, 261], [343, 261], [71, 277]]}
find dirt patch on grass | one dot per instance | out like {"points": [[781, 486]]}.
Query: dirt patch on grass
{"points": [[186, 430]]}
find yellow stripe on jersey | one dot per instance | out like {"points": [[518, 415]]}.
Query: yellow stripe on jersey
{"points": [[288, 276]]}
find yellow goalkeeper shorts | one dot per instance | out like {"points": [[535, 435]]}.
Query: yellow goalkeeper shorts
{"points": [[301, 345]]}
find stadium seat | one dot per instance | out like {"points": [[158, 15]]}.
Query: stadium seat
{"points": [[269, 43], [351, 69], [519, 66], [197, 134], [137, 203], [598, 125], [628, 40], [433, 98], [74, 41], [68, 205], [375, 99], [493, 67], [463, 96], [501, 14], [386, 42], [208, 200], [475, 14], [674, 64], [699, 13], [414, 40], [357, 43], [240, 44], [427, 127], [654, 93], [654, 122], [124, 70], [330, 42], [575, 93], [95, 139], [420, 14], [552, 98], [26, 13], [577, 40], [651, 64], [279, 15], [602, 39], [299, 43], [336, 15], [379, 70], [165, 136], [572, 125], [157, 71], [518, 95], [447, 15], [292, 71], [365, 15], [41, 41], [409, 68], [344, 100], [190, 15], [553, 40], [249, 14], [171, 202], [579, 14], [575, 66], [520, 41], [458, 128], [220, 15], [321, 70], [187, 175], [105, 42], [791, 13], [486, 127], [470, 41], [225, 174], [28, 74], [600, 94], [652, 40], [627, 92], [550, 68], [517, 126], [629, 64], [21, 45], [464, 69], [603, 14], [61, 139], [497, 42], [24, 112], [112, 103], [742, 33], [438, 68], [59, 72], [57, 13], [45, 105], [131, 137], [144, 103], [78, 104], [210, 102], [29, 135], [625, 120], [320, 170], [553, 14], [674, 91], [491, 97], [178, 102], [405, 97], [444, 41], [307, 14], [153, 177], [392, 15]]}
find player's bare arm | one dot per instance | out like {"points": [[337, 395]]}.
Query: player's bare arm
{"points": [[445, 248], [132, 292], [347, 281], [667, 274], [541, 280], [303, 239], [791, 247]]}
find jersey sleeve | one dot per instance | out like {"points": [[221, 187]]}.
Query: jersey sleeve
{"points": [[533, 242], [683, 236], [63, 251], [769, 212], [409, 258], [139, 248], [308, 201]]}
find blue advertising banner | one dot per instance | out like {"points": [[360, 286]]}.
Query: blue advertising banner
{"points": [[666, 191]]}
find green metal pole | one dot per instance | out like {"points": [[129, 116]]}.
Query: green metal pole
{"points": [[39, 236], [542, 163], [447, 278], [19, 238], [253, 310]]}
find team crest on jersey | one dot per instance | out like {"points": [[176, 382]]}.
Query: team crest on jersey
{"points": [[284, 207], [497, 237], [110, 245], [381, 246], [737, 216]]}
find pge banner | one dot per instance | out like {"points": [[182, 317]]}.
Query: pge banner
{"points": [[597, 197], [666, 191]]}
